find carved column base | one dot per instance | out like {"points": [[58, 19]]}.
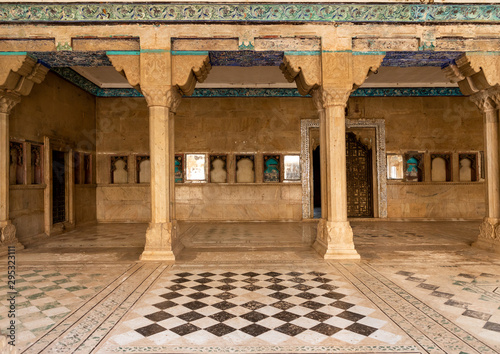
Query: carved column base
{"points": [[334, 240], [8, 238], [489, 235], [158, 243]]}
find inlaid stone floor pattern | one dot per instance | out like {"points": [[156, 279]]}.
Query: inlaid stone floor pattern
{"points": [[254, 308], [399, 299], [45, 297]]}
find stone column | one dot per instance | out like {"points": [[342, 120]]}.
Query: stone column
{"points": [[335, 237], [488, 102], [162, 102], [163, 79], [7, 231]]}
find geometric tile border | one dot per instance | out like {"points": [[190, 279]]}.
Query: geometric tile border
{"points": [[431, 329]]}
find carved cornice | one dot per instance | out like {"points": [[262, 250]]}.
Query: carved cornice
{"points": [[164, 96], [305, 70], [189, 70], [8, 100]]}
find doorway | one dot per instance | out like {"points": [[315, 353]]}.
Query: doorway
{"points": [[371, 132], [359, 178], [58, 187]]}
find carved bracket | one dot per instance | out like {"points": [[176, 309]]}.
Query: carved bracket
{"points": [[474, 72], [128, 66], [18, 74], [363, 66], [305, 70], [187, 70]]}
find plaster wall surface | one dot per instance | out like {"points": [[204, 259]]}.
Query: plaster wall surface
{"points": [[272, 125], [213, 126], [66, 114], [436, 124], [431, 125]]}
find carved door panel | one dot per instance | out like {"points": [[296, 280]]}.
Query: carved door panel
{"points": [[359, 178]]}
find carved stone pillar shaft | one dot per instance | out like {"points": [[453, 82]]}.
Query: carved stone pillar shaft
{"points": [[490, 229], [4, 168], [7, 231], [335, 237], [160, 236], [491, 135]]}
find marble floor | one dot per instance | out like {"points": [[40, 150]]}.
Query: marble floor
{"points": [[257, 288]]}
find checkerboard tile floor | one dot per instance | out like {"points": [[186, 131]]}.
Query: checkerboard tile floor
{"points": [[45, 297], [221, 307]]}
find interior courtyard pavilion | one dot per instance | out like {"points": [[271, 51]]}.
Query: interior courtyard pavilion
{"points": [[250, 177]]}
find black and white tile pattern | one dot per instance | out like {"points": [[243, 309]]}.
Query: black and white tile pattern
{"points": [[237, 307]]}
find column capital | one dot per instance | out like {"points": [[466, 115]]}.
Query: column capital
{"points": [[163, 96], [487, 100], [324, 97], [8, 100]]}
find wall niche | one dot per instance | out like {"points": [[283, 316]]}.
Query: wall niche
{"points": [[87, 166], [179, 168], [16, 163], [119, 168], [245, 171], [441, 167], [414, 167], [272, 168], [218, 168], [143, 169], [468, 167], [36, 164]]}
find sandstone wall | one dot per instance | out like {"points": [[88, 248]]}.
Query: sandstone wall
{"points": [[66, 114], [431, 125], [272, 125], [226, 126]]}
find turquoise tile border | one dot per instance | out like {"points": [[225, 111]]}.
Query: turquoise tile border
{"points": [[248, 13], [407, 92], [95, 90]]}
